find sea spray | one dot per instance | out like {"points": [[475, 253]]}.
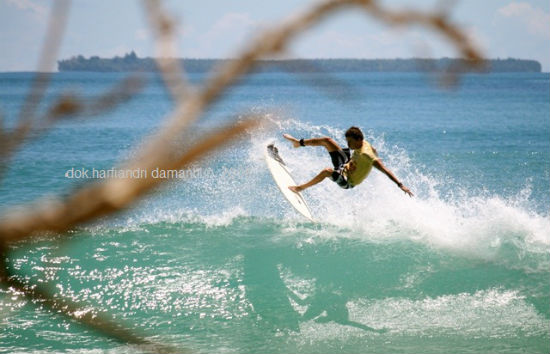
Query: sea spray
{"points": [[218, 262]]}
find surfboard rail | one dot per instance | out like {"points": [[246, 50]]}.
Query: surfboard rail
{"points": [[283, 178]]}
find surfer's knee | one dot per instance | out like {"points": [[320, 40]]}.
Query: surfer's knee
{"points": [[329, 143], [327, 172]]}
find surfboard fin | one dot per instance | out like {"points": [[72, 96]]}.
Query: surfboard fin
{"points": [[274, 152]]}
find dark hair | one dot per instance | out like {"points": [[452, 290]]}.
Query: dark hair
{"points": [[355, 133]]}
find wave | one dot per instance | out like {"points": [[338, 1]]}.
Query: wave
{"points": [[316, 278], [236, 184], [449, 268]]}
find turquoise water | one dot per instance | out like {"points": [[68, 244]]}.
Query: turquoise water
{"points": [[217, 262]]}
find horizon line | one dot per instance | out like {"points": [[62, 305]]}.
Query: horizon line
{"points": [[303, 58]]}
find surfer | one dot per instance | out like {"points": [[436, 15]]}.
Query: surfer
{"points": [[349, 170]]}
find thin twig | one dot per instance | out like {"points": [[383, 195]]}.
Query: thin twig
{"points": [[273, 42], [54, 34], [97, 321], [71, 106], [434, 21], [112, 195], [105, 198], [170, 67], [52, 43]]}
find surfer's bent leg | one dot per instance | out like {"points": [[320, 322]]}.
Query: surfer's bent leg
{"points": [[327, 142], [327, 172]]}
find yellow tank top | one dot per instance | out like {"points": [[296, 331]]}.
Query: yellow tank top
{"points": [[363, 159]]}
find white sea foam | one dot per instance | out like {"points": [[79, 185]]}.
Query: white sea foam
{"points": [[472, 223]]}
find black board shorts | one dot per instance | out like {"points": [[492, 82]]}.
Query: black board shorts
{"points": [[339, 159]]}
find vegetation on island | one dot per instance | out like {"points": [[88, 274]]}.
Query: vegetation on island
{"points": [[131, 62]]}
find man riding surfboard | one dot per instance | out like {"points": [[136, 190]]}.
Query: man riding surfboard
{"points": [[349, 170]]}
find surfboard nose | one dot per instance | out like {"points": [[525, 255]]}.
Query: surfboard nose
{"points": [[284, 179]]}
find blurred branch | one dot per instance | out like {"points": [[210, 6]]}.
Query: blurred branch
{"points": [[436, 21], [273, 42], [90, 203], [52, 43], [96, 321], [322, 80], [66, 106], [70, 105], [166, 57], [104, 198], [112, 195], [40, 81]]}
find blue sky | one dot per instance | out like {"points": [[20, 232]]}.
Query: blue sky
{"points": [[213, 29]]}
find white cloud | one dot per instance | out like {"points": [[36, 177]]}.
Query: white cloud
{"points": [[385, 37], [142, 34], [228, 33], [31, 6], [234, 25], [187, 31], [342, 40], [536, 20]]}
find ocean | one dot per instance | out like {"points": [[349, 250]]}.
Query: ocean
{"points": [[217, 261]]}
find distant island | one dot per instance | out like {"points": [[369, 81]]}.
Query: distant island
{"points": [[131, 62]]}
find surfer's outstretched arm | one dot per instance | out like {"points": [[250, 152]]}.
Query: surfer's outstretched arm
{"points": [[325, 141], [380, 166]]}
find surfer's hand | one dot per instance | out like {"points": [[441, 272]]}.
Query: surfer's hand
{"points": [[295, 142], [350, 166], [406, 190]]}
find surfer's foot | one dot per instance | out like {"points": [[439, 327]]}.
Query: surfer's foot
{"points": [[296, 189], [295, 142]]}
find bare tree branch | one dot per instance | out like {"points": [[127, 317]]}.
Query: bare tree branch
{"points": [[170, 67], [112, 195], [56, 27], [97, 321], [70, 105]]}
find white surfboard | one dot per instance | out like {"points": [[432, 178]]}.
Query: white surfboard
{"points": [[284, 179]]}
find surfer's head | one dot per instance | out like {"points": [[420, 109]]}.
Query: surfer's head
{"points": [[355, 137]]}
